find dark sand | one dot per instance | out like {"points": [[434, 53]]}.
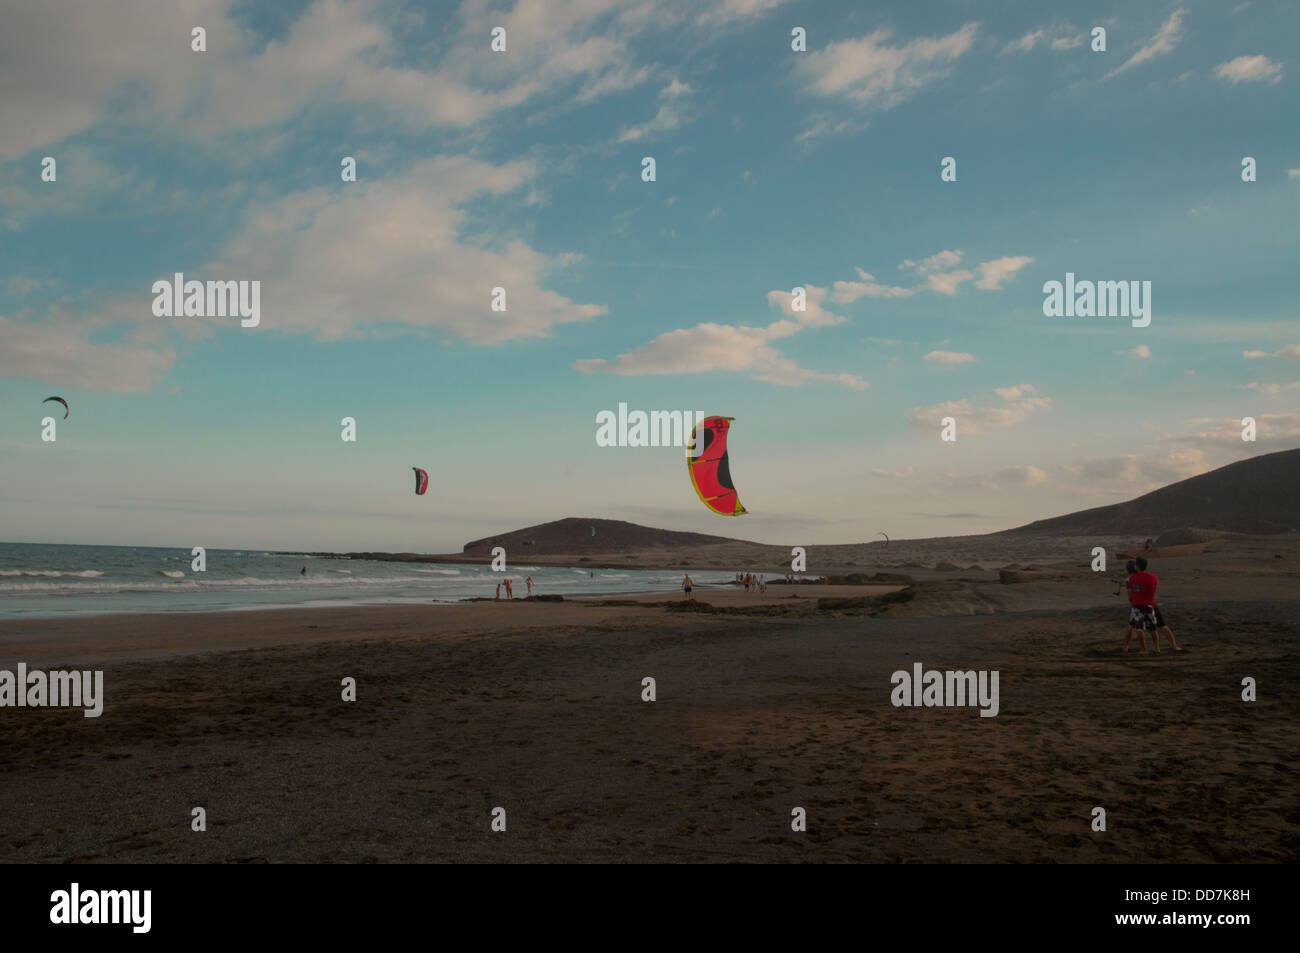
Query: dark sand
{"points": [[537, 708]]}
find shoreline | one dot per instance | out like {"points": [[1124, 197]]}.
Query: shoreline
{"points": [[542, 712]]}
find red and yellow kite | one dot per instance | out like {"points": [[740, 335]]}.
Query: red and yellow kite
{"points": [[710, 473]]}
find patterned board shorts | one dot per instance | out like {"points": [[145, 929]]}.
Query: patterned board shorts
{"points": [[1142, 617]]}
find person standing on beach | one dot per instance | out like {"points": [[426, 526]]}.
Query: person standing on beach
{"points": [[498, 590], [510, 589], [687, 584], [762, 586], [1155, 609], [529, 583], [1142, 602]]}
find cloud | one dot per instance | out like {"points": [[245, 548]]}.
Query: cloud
{"points": [[845, 292], [868, 71], [665, 120], [1249, 69], [732, 348], [1293, 173], [1025, 43], [937, 262], [824, 126], [993, 273], [947, 283], [1141, 351], [66, 66], [1019, 402], [1164, 41], [1271, 429], [939, 279], [674, 89], [1291, 352], [334, 262], [950, 357], [1060, 37], [1138, 473], [1272, 390], [736, 10], [61, 353], [1023, 476]]}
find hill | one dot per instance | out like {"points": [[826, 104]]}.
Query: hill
{"points": [[1250, 496], [591, 536]]}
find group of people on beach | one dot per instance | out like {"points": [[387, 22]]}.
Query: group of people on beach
{"points": [[1144, 615], [510, 588]]}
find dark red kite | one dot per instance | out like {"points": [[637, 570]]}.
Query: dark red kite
{"points": [[710, 471], [421, 481]]}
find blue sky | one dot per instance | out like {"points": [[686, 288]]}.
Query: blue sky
{"points": [[521, 169]]}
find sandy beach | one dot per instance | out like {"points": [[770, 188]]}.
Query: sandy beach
{"points": [[762, 706]]}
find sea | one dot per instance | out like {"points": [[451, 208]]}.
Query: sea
{"points": [[40, 580]]}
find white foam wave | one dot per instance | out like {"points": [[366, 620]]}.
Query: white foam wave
{"points": [[53, 573]]}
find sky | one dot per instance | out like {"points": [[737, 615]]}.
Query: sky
{"points": [[522, 169]]}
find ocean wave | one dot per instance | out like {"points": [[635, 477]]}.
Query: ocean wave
{"points": [[172, 573], [53, 573], [346, 572], [439, 572]]}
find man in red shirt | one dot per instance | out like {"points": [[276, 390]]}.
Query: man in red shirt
{"points": [[1155, 609], [1141, 587]]}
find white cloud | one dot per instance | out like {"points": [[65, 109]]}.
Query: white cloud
{"points": [[665, 120], [1272, 390], [936, 262], [1249, 69], [870, 71], [674, 89], [735, 348], [1141, 351], [993, 273], [1018, 404], [1058, 38], [823, 126], [61, 353], [65, 64], [845, 292], [334, 262], [1291, 353], [1271, 429], [1164, 41], [1025, 43], [950, 357], [947, 283]]}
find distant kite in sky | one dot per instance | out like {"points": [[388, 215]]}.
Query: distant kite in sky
{"points": [[709, 468], [61, 401], [421, 481]]}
